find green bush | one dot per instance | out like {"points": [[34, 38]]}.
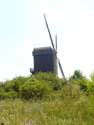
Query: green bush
{"points": [[51, 79], [8, 95], [78, 79], [46, 86], [77, 75], [8, 90], [14, 84], [71, 91], [81, 82], [34, 88], [37, 86]]}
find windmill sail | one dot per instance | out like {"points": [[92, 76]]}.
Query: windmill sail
{"points": [[60, 66], [49, 32]]}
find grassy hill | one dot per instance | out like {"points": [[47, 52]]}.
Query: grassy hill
{"points": [[44, 99]]}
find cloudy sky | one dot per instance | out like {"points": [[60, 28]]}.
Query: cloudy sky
{"points": [[22, 28]]}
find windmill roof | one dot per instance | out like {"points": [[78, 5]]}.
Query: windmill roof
{"points": [[43, 50]]}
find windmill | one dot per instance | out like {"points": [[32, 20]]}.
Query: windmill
{"points": [[55, 48], [45, 58]]}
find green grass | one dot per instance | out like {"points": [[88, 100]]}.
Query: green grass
{"points": [[44, 99], [71, 109]]}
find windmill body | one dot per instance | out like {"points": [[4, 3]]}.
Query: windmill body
{"points": [[45, 60]]}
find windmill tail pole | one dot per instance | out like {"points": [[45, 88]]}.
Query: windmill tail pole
{"points": [[61, 69]]}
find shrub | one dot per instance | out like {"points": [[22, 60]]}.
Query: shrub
{"points": [[8, 95], [77, 75], [11, 86], [34, 88], [71, 91], [78, 79], [51, 79], [14, 84]]}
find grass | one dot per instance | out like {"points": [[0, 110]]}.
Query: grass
{"points": [[68, 109]]}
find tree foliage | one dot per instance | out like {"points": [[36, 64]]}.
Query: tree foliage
{"points": [[45, 85]]}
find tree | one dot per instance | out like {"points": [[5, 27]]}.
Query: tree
{"points": [[77, 75]]}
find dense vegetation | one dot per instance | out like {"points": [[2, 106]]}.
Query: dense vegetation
{"points": [[45, 99]]}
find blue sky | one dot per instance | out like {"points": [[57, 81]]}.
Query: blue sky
{"points": [[22, 28]]}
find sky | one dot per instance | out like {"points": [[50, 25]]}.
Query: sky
{"points": [[22, 28]]}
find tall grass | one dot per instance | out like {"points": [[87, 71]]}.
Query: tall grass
{"points": [[74, 108], [44, 99]]}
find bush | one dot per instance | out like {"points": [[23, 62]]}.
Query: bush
{"points": [[81, 82], [14, 84], [77, 75], [8, 95], [33, 89], [78, 79], [51, 79], [37, 86], [11, 86], [71, 91]]}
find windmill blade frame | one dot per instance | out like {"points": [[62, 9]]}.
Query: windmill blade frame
{"points": [[58, 60], [49, 32]]}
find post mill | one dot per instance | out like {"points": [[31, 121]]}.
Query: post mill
{"points": [[45, 58]]}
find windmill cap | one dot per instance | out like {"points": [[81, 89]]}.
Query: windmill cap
{"points": [[43, 51]]}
